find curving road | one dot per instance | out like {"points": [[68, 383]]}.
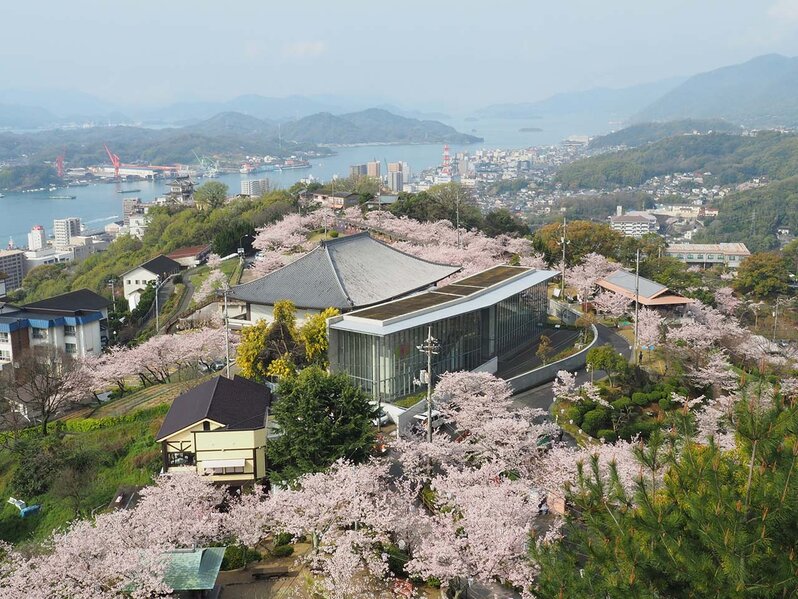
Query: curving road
{"points": [[542, 396]]}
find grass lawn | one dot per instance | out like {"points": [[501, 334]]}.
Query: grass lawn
{"points": [[120, 435]]}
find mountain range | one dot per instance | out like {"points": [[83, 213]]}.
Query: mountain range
{"points": [[230, 133], [761, 92]]}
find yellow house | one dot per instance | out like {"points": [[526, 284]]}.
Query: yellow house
{"points": [[218, 429]]}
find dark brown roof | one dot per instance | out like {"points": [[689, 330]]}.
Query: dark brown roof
{"points": [[74, 301], [160, 265], [239, 404]]}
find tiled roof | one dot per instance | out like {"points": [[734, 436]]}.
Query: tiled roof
{"points": [[160, 265], [74, 301], [345, 273]]}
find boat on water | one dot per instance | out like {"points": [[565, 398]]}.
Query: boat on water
{"points": [[128, 190], [63, 197], [2, 196]]}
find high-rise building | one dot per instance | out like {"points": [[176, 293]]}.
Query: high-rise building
{"points": [[373, 169], [37, 238], [394, 167], [131, 206], [254, 187], [64, 229], [395, 181], [358, 170], [12, 263]]}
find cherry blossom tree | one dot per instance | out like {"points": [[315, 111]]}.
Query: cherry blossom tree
{"points": [[612, 304], [726, 302], [584, 276], [212, 283], [716, 373], [564, 386], [119, 553], [649, 327]]}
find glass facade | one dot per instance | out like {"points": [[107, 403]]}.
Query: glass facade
{"points": [[388, 365]]}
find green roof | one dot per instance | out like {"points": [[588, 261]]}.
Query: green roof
{"points": [[193, 569]]}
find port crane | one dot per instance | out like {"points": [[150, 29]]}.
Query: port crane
{"points": [[59, 164], [117, 163], [114, 161]]}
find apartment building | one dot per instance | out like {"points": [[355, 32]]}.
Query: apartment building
{"points": [[709, 254], [12, 264], [634, 223], [64, 229]]}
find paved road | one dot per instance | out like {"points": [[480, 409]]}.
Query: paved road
{"points": [[542, 396]]}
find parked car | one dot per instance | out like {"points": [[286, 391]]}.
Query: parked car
{"points": [[218, 365], [382, 418], [438, 420]]}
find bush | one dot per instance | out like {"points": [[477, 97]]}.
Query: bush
{"points": [[622, 404], [238, 556], [573, 413], [608, 435], [282, 538], [595, 420], [640, 399], [396, 560], [333, 234], [665, 403], [282, 551]]}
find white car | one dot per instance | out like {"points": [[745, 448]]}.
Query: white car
{"points": [[382, 418], [438, 420]]}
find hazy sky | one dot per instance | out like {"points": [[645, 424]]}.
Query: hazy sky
{"points": [[420, 53]]}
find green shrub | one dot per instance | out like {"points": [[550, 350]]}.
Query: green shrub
{"points": [[282, 551], [238, 556], [665, 403], [282, 538], [396, 560], [573, 413], [607, 434], [640, 399], [333, 234], [595, 420], [622, 404], [585, 407]]}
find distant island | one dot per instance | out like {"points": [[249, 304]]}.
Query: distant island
{"points": [[530, 129], [230, 134]]}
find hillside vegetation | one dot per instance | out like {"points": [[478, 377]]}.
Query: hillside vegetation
{"points": [[755, 215], [730, 159], [644, 133]]}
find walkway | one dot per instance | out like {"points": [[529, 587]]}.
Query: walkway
{"points": [[542, 397], [528, 360]]}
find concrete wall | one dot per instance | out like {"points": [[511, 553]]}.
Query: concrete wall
{"points": [[405, 419], [490, 366], [563, 311], [546, 373]]}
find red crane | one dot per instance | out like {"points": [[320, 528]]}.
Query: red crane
{"points": [[59, 165], [114, 160]]}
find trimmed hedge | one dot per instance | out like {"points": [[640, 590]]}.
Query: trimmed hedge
{"points": [[595, 420], [608, 435], [238, 556], [282, 551]]}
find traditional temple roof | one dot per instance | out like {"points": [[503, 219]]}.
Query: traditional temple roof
{"points": [[345, 273]]}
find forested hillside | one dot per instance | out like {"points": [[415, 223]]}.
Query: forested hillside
{"points": [[730, 159], [755, 215], [644, 133]]}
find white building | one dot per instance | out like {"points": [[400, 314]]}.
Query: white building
{"points": [[138, 224], [37, 238], [634, 223], [75, 322], [64, 229], [254, 187], [136, 281], [709, 254], [46, 255], [396, 181]]}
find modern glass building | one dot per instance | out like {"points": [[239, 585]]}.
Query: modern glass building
{"points": [[476, 321]]}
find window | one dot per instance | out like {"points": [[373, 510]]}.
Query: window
{"points": [[226, 470], [5, 354], [206, 426], [69, 330], [71, 348], [180, 458], [39, 333], [130, 281], [3, 337]]}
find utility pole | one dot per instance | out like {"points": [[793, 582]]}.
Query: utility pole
{"points": [[157, 316], [457, 212], [111, 283], [429, 347], [776, 316], [225, 291], [637, 303], [563, 242]]}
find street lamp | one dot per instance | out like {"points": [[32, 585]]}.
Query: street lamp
{"points": [[111, 283], [225, 290]]}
